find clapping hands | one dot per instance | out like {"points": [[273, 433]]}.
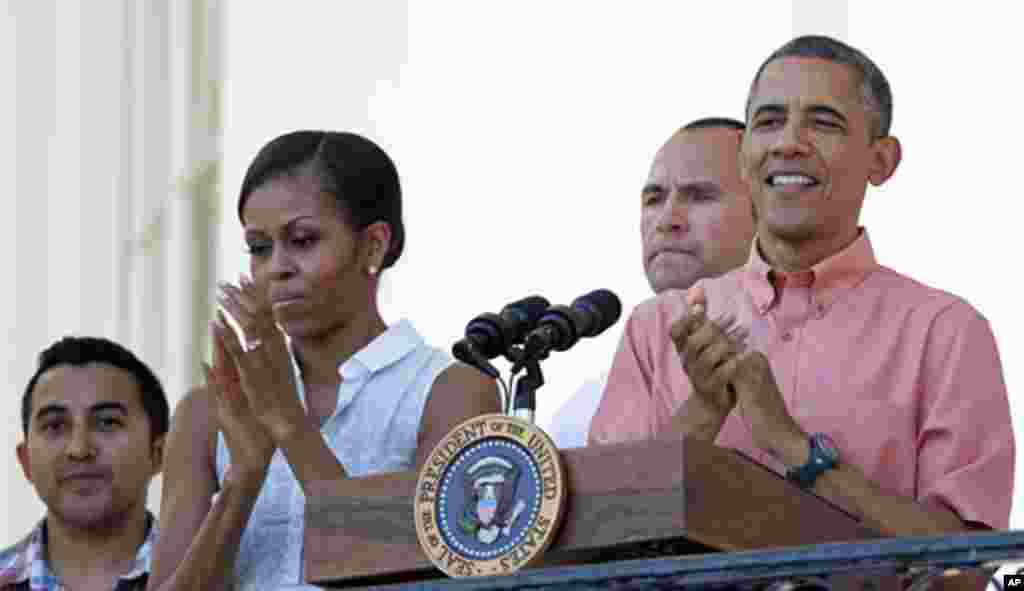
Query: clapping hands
{"points": [[725, 374], [710, 351], [263, 363]]}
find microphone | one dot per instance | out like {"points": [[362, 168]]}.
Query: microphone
{"points": [[562, 327], [490, 335]]}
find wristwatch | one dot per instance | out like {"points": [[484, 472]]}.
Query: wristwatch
{"points": [[824, 457]]}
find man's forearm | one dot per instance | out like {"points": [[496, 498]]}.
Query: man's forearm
{"points": [[889, 514], [894, 515]]}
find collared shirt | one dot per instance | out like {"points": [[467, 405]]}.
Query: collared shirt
{"points": [[23, 566], [374, 428], [905, 378]]}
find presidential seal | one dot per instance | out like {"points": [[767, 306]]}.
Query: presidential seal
{"points": [[490, 498]]}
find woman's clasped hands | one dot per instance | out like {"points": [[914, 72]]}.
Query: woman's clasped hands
{"points": [[256, 401]]}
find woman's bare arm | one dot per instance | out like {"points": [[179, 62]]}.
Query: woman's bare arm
{"points": [[198, 543], [460, 393]]}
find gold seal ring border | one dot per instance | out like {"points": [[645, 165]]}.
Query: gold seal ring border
{"points": [[427, 493]]}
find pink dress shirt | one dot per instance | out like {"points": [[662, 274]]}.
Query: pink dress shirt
{"points": [[905, 378]]}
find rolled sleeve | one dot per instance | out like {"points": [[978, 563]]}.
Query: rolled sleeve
{"points": [[965, 441]]}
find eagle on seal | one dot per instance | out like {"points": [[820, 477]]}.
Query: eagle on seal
{"points": [[491, 507]]}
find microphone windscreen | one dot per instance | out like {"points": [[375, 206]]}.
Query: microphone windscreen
{"points": [[604, 305], [529, 309]]}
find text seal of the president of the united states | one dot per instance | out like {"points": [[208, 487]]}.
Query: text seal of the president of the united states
{"points": [[490, 498]]}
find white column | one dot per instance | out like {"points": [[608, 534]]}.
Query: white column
{"points": [[8, 197], [110, 192], [193, 212], [33, 129]]}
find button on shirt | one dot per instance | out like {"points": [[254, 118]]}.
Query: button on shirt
{"points": [[905, 378]]}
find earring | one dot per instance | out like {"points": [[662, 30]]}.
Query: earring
{"points": [[371, 270]]}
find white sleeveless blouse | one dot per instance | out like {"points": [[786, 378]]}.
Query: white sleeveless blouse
{"points": [[373, 429]]}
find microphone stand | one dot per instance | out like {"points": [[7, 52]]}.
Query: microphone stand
{"points": [[524, 403], [524, 400]]}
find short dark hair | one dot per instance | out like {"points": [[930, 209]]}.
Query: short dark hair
{"points": [[875, 89], [356, 171], [727, 122], [79, 351]]}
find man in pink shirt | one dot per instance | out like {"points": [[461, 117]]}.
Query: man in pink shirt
{"points": [[853, 380], [695, 221]]}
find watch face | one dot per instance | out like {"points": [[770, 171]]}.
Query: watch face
{"points": [[827, 446]]}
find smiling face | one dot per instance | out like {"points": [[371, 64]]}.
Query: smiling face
{"points": [[312, 261], [808, 152], [89, 451], [696, 218]]}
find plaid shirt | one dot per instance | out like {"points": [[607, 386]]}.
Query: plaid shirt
{"points": [[23, 566]]}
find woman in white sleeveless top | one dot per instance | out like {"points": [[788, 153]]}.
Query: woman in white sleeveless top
{"points": [[347, 396]]}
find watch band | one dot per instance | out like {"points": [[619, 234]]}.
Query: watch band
{"points": [[823, 457]]}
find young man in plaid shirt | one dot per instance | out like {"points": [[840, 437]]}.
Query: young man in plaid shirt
{"points": [[94, 419]]}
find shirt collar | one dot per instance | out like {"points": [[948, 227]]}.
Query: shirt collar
{"points": [[392, 345], [844, 270], [32, 565]]}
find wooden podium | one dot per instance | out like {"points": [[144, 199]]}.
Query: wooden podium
{"points": [[625, 501]]}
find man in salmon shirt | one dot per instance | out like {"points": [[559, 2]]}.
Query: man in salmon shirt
{"points": [[852, 380], [695, 222]]}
